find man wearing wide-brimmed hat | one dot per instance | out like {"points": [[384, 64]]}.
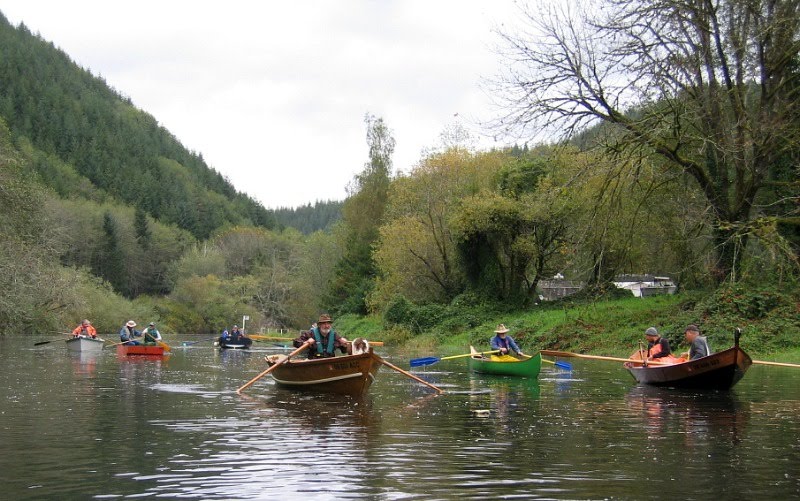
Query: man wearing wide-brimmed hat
{"points": [[324, 340], [501, 341], [128, 333]]}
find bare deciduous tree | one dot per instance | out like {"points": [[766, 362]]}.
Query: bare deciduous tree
{"points": [[709, 86]]}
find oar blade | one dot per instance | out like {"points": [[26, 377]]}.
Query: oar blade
{"points": [[419, 362], [563, 365]]}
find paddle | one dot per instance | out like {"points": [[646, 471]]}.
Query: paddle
{"points": [[401, 371], [416, 362], [189, 343], [275, 366], [52, 340], [561, 365], [551, 353]]}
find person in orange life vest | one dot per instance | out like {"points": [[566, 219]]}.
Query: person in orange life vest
{"points": [[503, 342], [324, 340], [84, 329], [657, 346]]}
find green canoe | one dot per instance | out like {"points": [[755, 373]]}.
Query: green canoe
{"points": [[528, 367]]}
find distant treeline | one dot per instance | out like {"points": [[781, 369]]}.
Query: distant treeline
{"points": [[310, 218]]}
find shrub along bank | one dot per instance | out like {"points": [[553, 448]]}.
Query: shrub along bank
{"points": [[604, 324]]}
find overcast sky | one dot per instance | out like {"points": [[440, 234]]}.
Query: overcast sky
{"points": [[274, 94]]}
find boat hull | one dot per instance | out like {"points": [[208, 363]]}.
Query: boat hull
{"points": [[238, 345], [344, 375], [523, 368], [719, 371], [85, 345], [125, 350]]}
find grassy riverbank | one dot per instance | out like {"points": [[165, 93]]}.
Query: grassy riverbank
{"points": [[770, 322]]}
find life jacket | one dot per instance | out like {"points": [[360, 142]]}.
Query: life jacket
{"points": [[654, 350], [87, 331], [326, 351]]}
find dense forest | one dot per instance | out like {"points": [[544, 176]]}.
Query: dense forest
{"points": [[106, 216]]}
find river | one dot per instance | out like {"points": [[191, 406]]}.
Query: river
{"points": [[77, 426]]}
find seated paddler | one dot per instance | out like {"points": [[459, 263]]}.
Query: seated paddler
{"points": [[504, 343], [324, 340]]}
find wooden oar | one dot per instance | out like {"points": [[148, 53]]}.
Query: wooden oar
{"points": [[189, 343], [779, 364], [416, 362], [273, 367], [164, 345], [551, 353], [561, 365], [53, 340], [259, 337], [401, 371]]}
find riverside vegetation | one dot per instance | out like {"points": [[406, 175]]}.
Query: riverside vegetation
{"points": [[611, 324]]}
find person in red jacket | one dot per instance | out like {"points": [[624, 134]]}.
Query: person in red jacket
{"points": [[85, 329]]}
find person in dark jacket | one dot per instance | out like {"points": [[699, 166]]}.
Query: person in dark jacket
{"points": [[324, 340], [503, 342], [698, 345], [128, 333], [657, 346]]}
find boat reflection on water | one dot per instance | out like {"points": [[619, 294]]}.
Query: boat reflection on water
{"points": [[694, 415], [317, 412], [84, 363]]}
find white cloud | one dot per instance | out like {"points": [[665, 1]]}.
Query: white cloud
{"points": [[273, 94]]}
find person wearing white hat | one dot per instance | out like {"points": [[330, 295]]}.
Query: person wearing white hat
{"points": [[503, 342], [128, 333]]}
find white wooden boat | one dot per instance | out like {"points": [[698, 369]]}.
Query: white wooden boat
{"points": [[84, 344]]}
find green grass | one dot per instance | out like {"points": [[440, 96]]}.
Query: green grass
{"points": [[770, 322]]}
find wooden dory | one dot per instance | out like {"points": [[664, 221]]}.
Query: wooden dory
{"points": [[718, 371], [83, 344], [345, 375], [521, 368]]}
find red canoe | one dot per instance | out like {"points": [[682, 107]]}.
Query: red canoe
{"points": [[139, 349]]}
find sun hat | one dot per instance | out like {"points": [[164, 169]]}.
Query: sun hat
{"points": [[325, 319], [501, 329], [130, 323]]}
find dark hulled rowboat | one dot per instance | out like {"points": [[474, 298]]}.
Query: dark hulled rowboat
{"points": [[242, 344], [718, 371], [345, 375]]}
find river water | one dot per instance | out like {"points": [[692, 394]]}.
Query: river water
{"points": [[76, 426]]}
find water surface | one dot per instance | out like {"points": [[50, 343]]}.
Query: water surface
{"points": [[76, 426]]}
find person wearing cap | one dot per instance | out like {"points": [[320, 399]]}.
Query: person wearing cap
{"points": [[151, 334], [324, 340], [504, 343], [85, 329], [128, 333], [698, 344], [657, 346]]}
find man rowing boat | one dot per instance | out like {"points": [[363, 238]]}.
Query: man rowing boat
{"points": [[323, 339]]}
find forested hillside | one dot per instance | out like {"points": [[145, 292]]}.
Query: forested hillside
{"points": [[310, 218], [105, 214], [87, 141]]}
